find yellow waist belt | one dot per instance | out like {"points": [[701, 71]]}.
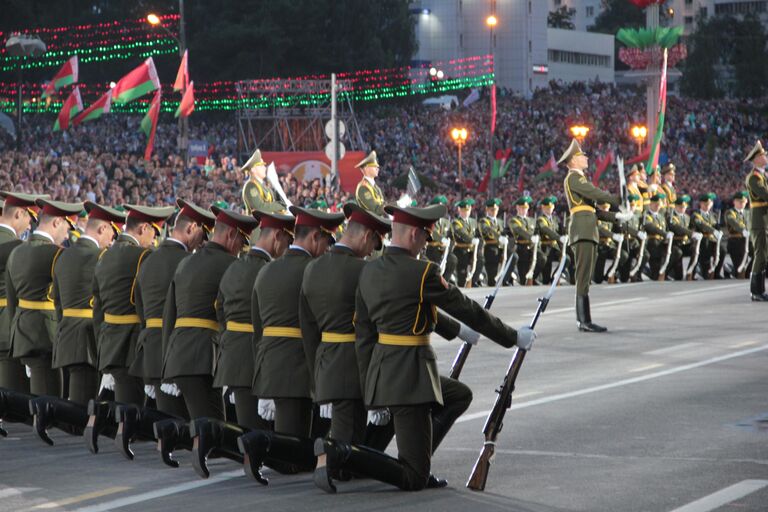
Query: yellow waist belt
{"points": [[121, 319], [3, 302], [759, 204], [435, 244], [582, 208], [491, 242], [403, 340], [239, 326], [655, 237], [154, 323], [282, 332], [202, 323], [41, 305], [77, 313], [336, 337], [463, 246]]}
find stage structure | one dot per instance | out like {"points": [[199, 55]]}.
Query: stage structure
{"points": [[290, 115]]}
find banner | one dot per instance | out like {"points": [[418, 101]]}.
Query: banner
{"points": [[305, 164]]}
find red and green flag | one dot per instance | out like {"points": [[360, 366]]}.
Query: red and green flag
{"points": [[187, 104], [653, 159], [548, 169], [521, 179], [67, 75], [149, 124], [501, 163], [182, 76], [94, 111], [71, 107], [137, 83], [600, 167]]}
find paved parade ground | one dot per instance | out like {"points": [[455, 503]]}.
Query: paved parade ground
{"points": [[667, 411]]}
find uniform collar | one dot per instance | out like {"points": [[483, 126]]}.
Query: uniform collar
{"points": [[214, 246], [577, 171], [175, 240], [43, 234], [172, 242], [89, 239], [10, 229], [260, 251], [369, 180], [298, 248], [129, 238], [393, 249], [340, 248]]}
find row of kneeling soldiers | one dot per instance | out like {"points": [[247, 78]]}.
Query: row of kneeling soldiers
{"points": [[299, 355]]}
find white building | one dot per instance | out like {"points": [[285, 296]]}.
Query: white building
{"points": [[585, 11], [688, 12], [575, 56]]}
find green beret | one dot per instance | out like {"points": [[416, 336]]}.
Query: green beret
{"points": [[493, 202], [83, 214], [658, 197], [548, 200], [414, 203], [634, 197], [709, 196], [439, 200], [524, 200], [683, 199], [465, 202], [741, 194]]}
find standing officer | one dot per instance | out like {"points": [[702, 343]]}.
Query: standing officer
{"points": [[552, 240], [523, 230], [257, 193], [758, 220], [464, 238], [668, 185], [368, 194], [190, 229], [736, 222], [582, 228], [74, 349], [29, 287], [281, 377], [442, 242], [491, 232], [395, 312], [705, 222]]}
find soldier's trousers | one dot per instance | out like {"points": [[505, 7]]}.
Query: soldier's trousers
{"points": [[480, 266], [707, 261], [128, 388], [168, 404], [348, 421], [12, 375], [737, 250], [463, 264], [633, 256], [44, 380], [247, 410], [201, 398], [435, 255], [492, 257], [760, 246], [584, 254], [525, 259], [293, 416], [677, 271], [83, 383], [605, 253], [658, 252]]}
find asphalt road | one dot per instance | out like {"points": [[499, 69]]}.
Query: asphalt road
{"points": [[667, 411]]}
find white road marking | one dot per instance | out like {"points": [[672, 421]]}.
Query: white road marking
{"points": [[723, 496], [646, 368], [709, 289], [11, 491], [745, 344], [82, 497], [673, 348], [594, 306], [159, 493], [611, 385]]}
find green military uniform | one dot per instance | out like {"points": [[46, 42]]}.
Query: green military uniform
{"points": [[436, 248], [655, 224], [368, 195], [679, 223], [633, 232], [491, 229], [607, 247], [668, 188], [257, 194], [464, 232], [523, 229], [736, 224], [758, 223], [706, 223], [548, 227]]}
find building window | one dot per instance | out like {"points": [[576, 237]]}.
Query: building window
{"points": [[741, 7], [590, 11], [703, 12], [688, 2], [558, 3], [580, 59], [530, 46], [689, 20], [461, 40]]}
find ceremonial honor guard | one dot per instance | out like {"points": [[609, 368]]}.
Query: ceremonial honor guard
{"points": [[738, 234], [582, 228], [552, 240], [705, 222], [634, 187], [523, 230], [464, 239], [659, 237], [633, 229], [257, 193], [368, 194], [642, 186], [610, 236], [191, 228], [668, 185], [679, 222], [74, 348], [396, 310], [442, 242], [491, 229], [281, 376], [758, 219]]}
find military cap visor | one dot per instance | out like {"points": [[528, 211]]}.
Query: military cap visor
{"points": [[21, 200], [279, 221], [683, 200], [465, 203], [156, 217], [368, 219], [196, 214], [525, 200], [574, 149], [253, 161], [244, 224], [423, 218], [655, 198], [493, 202], [756, 150], [742, 194], [548, 201], [709, 196], [326, 222], [369, 161], [105, 213]]}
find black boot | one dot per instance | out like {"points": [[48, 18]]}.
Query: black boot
{"points": [[334, 456], [134, 424], [584, 315], [378, 437], [254, 446], [101, 422], [214, 437], [48, 411], [171, 434], [14, 406], [285, 454], [757, 287]]}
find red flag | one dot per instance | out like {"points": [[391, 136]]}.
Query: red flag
{"points": [[653, 158], [521, 179], [187, 104], [66, 75], [149, 124], [100, 106], [137, 83], [493, 108], [548, 169], [601, 165], [484, 184], [182, 76], [72, 105], [642, 157]]}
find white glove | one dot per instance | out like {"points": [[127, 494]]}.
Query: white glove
{"points": [[745, 233], [503, 240], [28, 370], [379, 417], [170, 389], [617, 237], [564, 240], [107, 382], [232, 398], [326, 410], [623, 216], [149, 390], [697, 236], [718, 234], [642, 235], [467, 334], [475, 241], [445, 241], [267, 409], [670, 235], [386, 242], [525, 337], [535, 239]]}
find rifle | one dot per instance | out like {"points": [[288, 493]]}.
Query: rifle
{"points": [[716, 258], [475, 245], [690, 272], [503, 402], [663, 269], [463, 353], [616, 258], [534, 262], [636, 268], [741, 270]]}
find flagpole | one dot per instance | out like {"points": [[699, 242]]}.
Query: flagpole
{"points": [[183, 121]]}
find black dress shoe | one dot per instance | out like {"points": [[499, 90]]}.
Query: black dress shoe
{"points": [[436, 483], [759, 297], [590, 327]]}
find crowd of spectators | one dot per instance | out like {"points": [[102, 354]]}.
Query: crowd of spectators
{"points": [[103, 160]]}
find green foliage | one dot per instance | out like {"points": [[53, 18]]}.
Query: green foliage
{"points": [[561, 18], [617, 14]]}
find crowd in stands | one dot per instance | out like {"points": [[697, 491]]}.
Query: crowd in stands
{"points": [[103, 161]]}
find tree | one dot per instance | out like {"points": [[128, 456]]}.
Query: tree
{"points": [[561, 18], [617, 14], [747, 59]]}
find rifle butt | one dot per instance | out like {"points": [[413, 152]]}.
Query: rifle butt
{"points": [[662, 276], [479, 475], [529, 282]]}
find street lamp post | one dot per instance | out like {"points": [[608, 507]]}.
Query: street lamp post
{"points": [[579, 132], [23, 46], [639, 133], [459, 136], [491, 21]]}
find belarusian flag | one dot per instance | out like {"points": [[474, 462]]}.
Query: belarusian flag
{"points": [[100, 106], [653, 159], [187, 104], [67, 75], [501, 163], [149, 124], [137, 83], [548, 169], [601, 164], [182, 76], [72, 105]]}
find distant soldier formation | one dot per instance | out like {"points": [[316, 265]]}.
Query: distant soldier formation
{"points": [[298, 339]]}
